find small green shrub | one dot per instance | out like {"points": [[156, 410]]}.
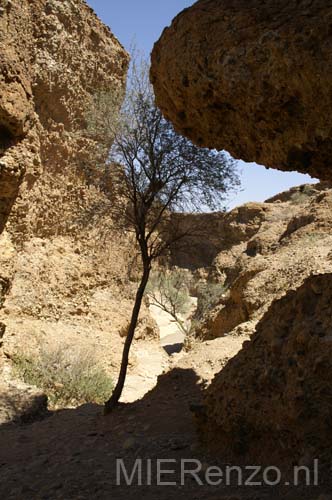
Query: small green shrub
{"points": [[67, 375], [314, 236], [171, 289], [303, 195], [209, 295], [103, 114]]}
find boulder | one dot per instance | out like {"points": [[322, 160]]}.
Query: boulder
{"points": [[253, 78]]}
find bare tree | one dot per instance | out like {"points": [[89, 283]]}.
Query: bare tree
{"points": [[159, 172]]}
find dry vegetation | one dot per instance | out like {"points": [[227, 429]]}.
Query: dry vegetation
{"points": [[69, 375]]}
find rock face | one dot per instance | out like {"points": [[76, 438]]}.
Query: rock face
{"points": [[64, 268], [210, 233], [253, 78], [55, 56], [272, 402], [284, 243]]}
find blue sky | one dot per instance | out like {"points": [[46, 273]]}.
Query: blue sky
{"points": [[143, 21]]}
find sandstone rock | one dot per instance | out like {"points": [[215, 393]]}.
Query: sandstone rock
{"points": [[270, 406], [298, 194], [65, 267], [291, 242], [54, 57], [214, 232], [253, 78]]}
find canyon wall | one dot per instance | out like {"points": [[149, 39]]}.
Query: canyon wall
{"points": [[64, 266], [208, 234], [288, 239], [55, 56], [272, 402]]}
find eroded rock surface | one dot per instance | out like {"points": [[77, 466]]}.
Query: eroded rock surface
{"points": [[64, 268], [284, 243], [54, 57], [210, 233], [253, 78], [272, 401]]}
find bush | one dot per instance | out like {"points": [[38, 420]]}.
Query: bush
{"points": [[169, 290], [67, 375], [209, 295], [303, 195]]}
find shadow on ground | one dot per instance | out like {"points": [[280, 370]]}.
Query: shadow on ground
{"points": [[73, 454], [173, 348]]}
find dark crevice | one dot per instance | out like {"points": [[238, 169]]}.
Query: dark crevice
{"points": [[6, 138]]}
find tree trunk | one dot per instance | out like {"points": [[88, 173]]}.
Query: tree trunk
{"points": [[114, 399]]}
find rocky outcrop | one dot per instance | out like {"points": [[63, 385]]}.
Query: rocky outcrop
{"points": [[291, 241], [207, 234], [64, 268], [55, 56], [253, 78], [272, 402]]}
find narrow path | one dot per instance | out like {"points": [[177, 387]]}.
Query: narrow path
{"points": [[171, 337], [153, 357], [152, 361]]}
